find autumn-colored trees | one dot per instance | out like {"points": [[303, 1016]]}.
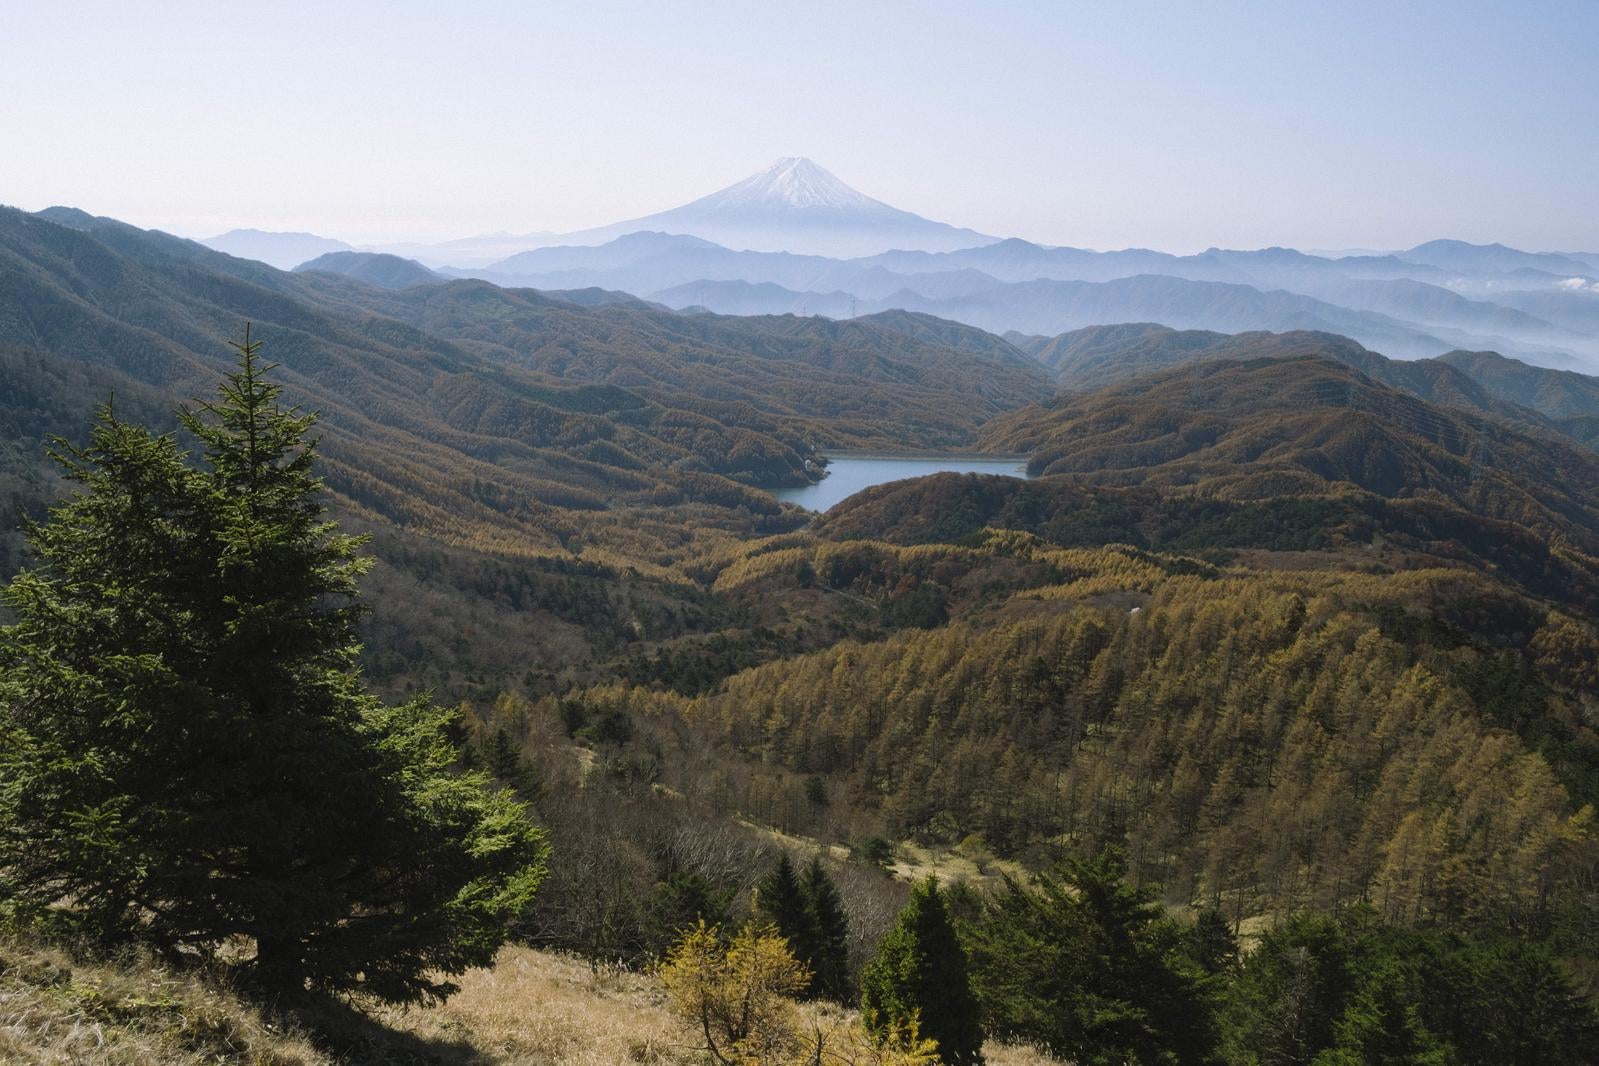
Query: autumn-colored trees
{"points": [[738, 994], [1259, 742]]}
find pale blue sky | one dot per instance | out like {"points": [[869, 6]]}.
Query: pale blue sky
{"points": [[1174, 125]]}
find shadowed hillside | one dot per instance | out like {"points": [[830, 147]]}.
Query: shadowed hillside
{"points": [[534, 468], [1253, 430], [1092, 358], [384, 271]]}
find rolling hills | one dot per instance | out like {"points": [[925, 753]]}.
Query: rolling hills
{"points": [[1050, 306], [384, 271], [793, 239], [1535, 397], [159, 310], [1292, 636], [1294, 625], [1247, 430], [1404, 306], [533, 467]]}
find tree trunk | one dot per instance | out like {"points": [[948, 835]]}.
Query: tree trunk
{"points": [[278, 966]]}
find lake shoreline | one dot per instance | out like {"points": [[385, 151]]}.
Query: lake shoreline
{"points": [[847, 473], [929, 456]]}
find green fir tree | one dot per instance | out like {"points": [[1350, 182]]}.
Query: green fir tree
{"points": [[192, 756], [829, 927], [920, 972], [780, 901], [1087, 967]]}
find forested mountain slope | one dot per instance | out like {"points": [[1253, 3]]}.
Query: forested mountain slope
{"points": [[185, 293], [1277, 455], [1557, 393], [1293, 625], [1350, 662], [535, 401], [1261, 740], [852, 382], [1249, 430], [1091, 358], [373, 268], [535, 467]]}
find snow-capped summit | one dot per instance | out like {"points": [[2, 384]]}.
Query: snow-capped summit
{"points": [[796, 206], [794, 182]]}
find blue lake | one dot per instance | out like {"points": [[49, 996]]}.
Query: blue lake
{"points": [[848, 475]]}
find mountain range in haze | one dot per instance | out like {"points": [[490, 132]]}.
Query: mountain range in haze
{"points": [[281, 250], [794, 239], [792, 206], [796, 206], [613, 402], [1407, 309]]}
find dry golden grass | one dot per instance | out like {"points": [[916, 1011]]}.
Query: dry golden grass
{"points": [[56, 1009], [535, 1007], [913, 862], [531, 1008], [539, 1008], [997, 1054]]}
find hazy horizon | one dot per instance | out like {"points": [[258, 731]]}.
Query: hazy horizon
{"points": [[1174, 128]]}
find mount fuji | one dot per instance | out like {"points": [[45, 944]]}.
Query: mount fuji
{"points": [[796, 206], [791, 206]]}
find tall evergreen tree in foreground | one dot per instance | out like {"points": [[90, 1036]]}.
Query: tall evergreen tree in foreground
{"points": [[780, 901], [829, 924], [1088, 968], [808, 912], [190, 754], [1344, 987], [920, 972]]}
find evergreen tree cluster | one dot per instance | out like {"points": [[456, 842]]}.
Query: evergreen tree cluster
{"points": [[1348, 988], [1086, 967], [190, 755], [919, 975], [807, 911]]}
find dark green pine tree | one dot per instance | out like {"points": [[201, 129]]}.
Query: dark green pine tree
{"points": [[191, 755], [1143, 999], [780, 900], [830, 931], [505, 763], [680, 903], [1089, 969], [920, 971], [1211, 943]]}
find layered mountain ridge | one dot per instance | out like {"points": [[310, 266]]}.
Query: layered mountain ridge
{"points": [[796, 206], [795, 239], [1409, 309], [1296, 624]]}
